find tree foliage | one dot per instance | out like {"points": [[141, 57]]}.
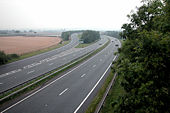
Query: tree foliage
{"points": [[89, 36], [5, 58], [144, 60], [66, 35], [113, 34]]}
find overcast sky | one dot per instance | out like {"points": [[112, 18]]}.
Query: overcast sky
{"points": [[60, 14]]}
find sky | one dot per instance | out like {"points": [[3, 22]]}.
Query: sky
{"points": [[65, 14]]}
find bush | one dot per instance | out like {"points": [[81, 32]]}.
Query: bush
{"points": [[5, 58]]}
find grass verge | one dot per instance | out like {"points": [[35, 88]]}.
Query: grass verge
{"points": [[116, 91], [44, 78], [26, 55], [113, 95]]}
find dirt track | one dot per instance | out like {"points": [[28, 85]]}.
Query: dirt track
{"points": [[21, 45]]}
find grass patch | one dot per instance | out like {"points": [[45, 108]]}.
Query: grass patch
{"points": [[83, 45], [99, 96], [46, 77], [116, 91], [26, 55]]}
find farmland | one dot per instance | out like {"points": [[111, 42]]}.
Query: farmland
{"points": [[22, 44]]}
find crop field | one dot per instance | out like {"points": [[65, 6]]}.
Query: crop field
{"points": [[23, 44]]}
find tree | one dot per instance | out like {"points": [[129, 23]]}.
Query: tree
{"points": [[144, 60], [89, 36]]}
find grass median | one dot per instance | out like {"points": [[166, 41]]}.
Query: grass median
{"points": [[45, 78]]}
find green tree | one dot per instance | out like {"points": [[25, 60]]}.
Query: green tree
{"points": [[144, 60], [89, 36]]}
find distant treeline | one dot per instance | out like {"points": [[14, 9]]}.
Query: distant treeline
{"points": [[89, 36], [66, 35], [113, 34], [5, 58]]}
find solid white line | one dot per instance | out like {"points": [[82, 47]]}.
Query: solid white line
{"points": [[47, 85], [92, 89], [30, 72], [63, 91], [83, 75]]}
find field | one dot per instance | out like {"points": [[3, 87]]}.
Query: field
{"points": [[22, 44]]}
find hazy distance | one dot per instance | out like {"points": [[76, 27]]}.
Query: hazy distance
{"points": [[65, 14]]}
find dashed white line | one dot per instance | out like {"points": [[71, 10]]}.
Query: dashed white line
{"points": [[1, 83], [48, 85], [93, 88], [94, 65], [30, 72], [83, 75], [51, 64], [63, 91]]}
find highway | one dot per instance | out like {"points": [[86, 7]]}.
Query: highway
{"points": [[71, 92], [19, 72]]}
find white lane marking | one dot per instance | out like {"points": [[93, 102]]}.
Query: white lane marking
{"points": [[92, 88], [11, 72], [51, 64], [94, 65], [30, 72], [83, 75], [63, 91], [1, 83], [100, 59], [47, 85]]}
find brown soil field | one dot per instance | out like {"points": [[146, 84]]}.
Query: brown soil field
{"points": [[21, 44]]}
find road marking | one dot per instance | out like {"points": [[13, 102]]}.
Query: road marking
{"points": [[83, 75], [92, 88], [94, 65], [11, 72], [30, 72], [63, 91], [48, 84], [51, 64], [1, 83]]}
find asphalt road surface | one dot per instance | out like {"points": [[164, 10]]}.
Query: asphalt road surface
{"points": [[19, 72], [70, 92]]}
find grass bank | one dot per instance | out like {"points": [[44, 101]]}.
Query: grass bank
{"points": [[114, 93]]}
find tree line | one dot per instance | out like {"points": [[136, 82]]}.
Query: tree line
{"points": [[144, 60], [90, 36], [113, 34], [4, 58], [66, 35]]}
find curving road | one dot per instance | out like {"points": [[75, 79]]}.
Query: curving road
{"points": [[71, 92], [19, 72]]}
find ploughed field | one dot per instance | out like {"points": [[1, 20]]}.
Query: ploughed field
{"points": [[24, 44]]}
